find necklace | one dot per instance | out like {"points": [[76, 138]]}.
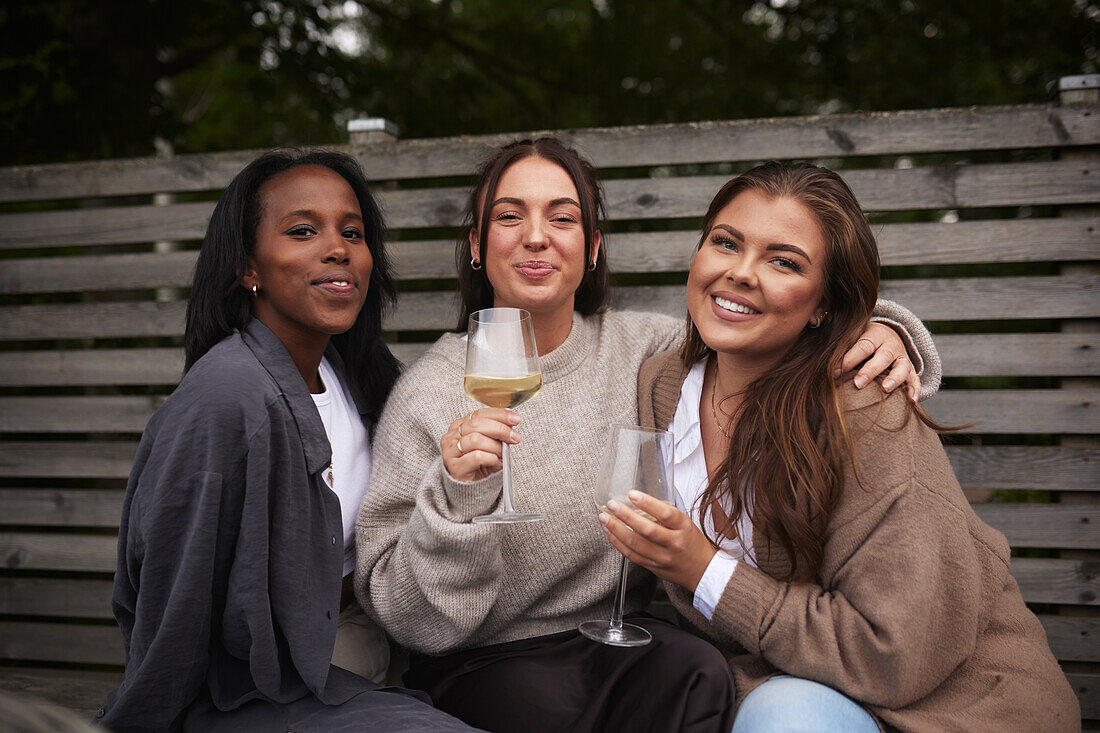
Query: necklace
{"points": [[714, 402]]}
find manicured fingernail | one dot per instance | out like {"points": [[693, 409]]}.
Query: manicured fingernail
{"points": [[513, 418], [634, 496], [860, 381], [604, 519], [888, 384], [613, 506], [514, 436]]}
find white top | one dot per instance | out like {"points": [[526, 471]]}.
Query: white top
{"points": [[691, 480], [350, 471]]}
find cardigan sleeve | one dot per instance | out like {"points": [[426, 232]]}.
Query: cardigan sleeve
{"points": [[898, 602], [424, 571]]}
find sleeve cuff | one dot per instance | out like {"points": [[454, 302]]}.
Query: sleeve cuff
{"points": [[469, 499], [713, 583], [918, 343]]}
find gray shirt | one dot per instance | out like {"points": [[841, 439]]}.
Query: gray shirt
{"points": [[230, 547]]}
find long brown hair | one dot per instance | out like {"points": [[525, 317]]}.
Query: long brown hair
{"points": [[790, 442], [477, 292]]}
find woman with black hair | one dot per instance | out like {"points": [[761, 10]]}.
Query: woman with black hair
{"points": [[237, 523]]}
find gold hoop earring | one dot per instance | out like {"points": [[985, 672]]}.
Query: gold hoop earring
{"points": [[592, 267], [255, 291], [820, 320], [475, 263]]}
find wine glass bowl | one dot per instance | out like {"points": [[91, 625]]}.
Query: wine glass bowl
{"points": [[638, 459], [502, 370]]}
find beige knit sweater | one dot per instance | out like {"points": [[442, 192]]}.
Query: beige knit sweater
{"points": [[438, 583], [913, 613]]}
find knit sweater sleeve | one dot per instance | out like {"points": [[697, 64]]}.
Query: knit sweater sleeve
{"points": [[899, 601], [918, 343], [425, 572]]}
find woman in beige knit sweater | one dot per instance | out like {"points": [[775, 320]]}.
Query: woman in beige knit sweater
{"points": [[824, 544], [490, 611]]}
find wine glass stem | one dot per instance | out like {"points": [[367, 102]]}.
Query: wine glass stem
{"points": [[620, 598], [506, 477]]}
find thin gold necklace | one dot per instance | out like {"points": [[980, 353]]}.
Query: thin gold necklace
{"points": [[714, 403]]}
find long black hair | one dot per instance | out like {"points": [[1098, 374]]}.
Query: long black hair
{"points": [[476, 290], [219, 304]]}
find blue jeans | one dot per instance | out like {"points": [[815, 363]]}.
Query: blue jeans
{"points": [[788, 704]]}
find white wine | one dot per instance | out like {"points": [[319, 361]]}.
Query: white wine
{"points": [[502, 391]]}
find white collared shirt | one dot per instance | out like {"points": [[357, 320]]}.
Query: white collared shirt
{"points": [[691, 480]]}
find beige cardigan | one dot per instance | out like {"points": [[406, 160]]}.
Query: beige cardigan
{"points": [[913, 612]]}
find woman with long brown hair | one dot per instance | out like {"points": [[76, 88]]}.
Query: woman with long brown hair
{"points": [[490, 611], [822, 540]]}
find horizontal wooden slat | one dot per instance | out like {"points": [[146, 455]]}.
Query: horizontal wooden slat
{"points": [[1045, 580], [91, 367], [62, 597], [93, 320], [92, 459], [873, 133], [1025, 467], [1018, 410], [1019, 354], [992, 411], [946, 187], [1074, 526], [57, 551], [80, 691], [61, 507], [1073, 638], [1016, 240], [114, 366], [76, 414], [72, 643]]}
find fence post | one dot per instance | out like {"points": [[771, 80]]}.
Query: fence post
{"points": [[1077, 89], [371, 130]]}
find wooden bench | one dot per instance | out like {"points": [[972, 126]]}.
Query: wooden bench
{"points": [[988, 224]]}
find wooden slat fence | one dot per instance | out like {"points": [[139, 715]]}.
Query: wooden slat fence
{"points": [[987, 220]]}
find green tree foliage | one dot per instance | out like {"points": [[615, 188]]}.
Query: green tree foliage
{"points": [[87, 78]]}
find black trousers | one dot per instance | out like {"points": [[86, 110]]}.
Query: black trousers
{"points": [[565, 682]]}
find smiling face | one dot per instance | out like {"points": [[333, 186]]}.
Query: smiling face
{"points": [[758, 279], [533, 252], [311, 263]]}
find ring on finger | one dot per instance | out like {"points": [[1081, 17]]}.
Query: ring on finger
{"points": [[901, 358], [458, 444], [864, 338]]}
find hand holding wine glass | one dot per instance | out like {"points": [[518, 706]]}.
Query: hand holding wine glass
{"points": [[636, 459], [502, 371]]}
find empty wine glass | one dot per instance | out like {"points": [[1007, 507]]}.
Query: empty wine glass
{"points": [[502, 370], [641, 459]]}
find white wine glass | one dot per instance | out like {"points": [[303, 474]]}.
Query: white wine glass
{"points": [[640, 459], [502, 370]]}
